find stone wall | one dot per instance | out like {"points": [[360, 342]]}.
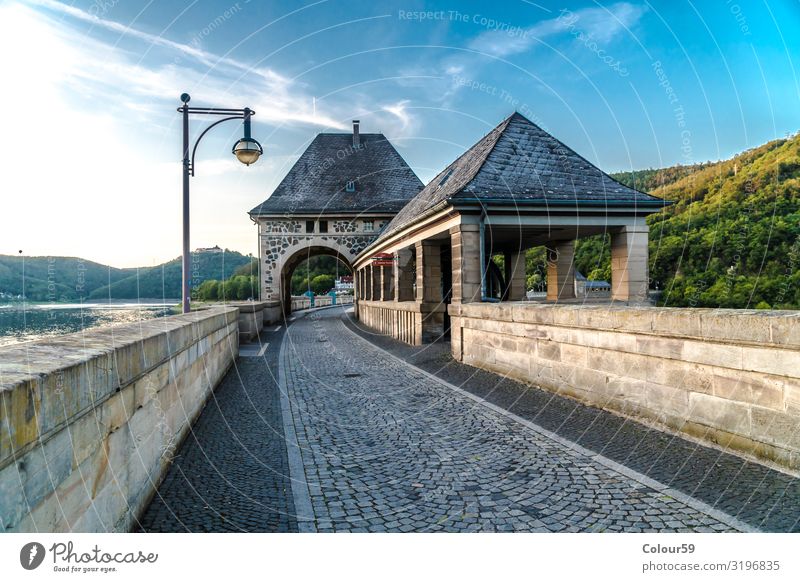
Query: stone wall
{"points": [[408, 321], [254, 315], [89, 421], [727, 376]]}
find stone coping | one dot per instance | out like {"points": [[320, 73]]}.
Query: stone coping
{"points": [[412, 306], [34, 359], [250, 306], [750, 326]]}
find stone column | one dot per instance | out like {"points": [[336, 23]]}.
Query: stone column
{"points": [[561, 270], [515, 275], [465, 244], [387, 289], [429, 272], [403, 275], [629, 256]]}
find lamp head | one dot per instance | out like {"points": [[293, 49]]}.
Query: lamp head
{"points": [[247, 150]]}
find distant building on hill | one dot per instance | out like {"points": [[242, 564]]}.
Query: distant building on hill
{"points": [[344, 283]]}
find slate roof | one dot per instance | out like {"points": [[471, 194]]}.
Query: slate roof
{"points": [[317, 181], [520, 163]]}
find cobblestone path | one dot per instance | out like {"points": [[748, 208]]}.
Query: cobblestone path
{"points": [[752, 492], [383, 446], [231, 474]]}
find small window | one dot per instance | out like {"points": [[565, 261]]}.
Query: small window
{"points": [[368, 226], [309, 226], [350, 187], [323, 226], [445, 178]]}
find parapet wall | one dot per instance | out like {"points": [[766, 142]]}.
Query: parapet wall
{"points": [[89, 421], [727, 376]]}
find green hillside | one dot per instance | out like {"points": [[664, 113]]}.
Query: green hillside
{"points": [[732, 236], [164, 281], [54, 278], [73, 279]]}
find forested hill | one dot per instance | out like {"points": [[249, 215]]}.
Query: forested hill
{"points": [[732, 236], [74, 279]]}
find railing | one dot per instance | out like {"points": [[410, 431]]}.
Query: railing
{"points": [[300, 302], [407, 321]]}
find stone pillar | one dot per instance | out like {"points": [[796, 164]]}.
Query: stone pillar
{"points": [[404, 275], [515, 275], [561, 270], [465, 244], [629, 256], [387, 288], [429, 272]]}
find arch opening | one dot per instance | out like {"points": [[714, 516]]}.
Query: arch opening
{"points": [[297, 259]]}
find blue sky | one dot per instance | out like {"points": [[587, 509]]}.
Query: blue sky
{"points": [[627, 84]]}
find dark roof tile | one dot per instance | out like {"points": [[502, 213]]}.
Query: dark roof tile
{"points": [[317, 181], [518, 162]]}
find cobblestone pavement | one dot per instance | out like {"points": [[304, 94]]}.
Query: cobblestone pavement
{"points": [[755, 494], [386, 447], [231, 473]]}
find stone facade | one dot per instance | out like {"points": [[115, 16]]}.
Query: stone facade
{"points": [[284, 244], [89, 422], [726, 376]]}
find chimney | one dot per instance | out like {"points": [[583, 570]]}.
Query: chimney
{"points": [[356, 139]]}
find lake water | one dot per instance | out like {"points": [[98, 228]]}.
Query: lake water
{"points": [[39, 321]]}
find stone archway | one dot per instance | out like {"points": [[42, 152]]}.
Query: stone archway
{"points": [[294, 257]]}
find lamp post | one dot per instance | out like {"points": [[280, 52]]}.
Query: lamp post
{"points": [[247, 150]]}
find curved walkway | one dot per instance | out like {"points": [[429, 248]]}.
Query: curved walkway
{"points": [[384, 446], [332, 428]]}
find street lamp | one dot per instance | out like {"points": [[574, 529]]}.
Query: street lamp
{"points": [[247, 150]]}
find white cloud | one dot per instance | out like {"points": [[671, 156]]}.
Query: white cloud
{"points": [[100, 181], [603, 24], [103, 69], [400, 111]]}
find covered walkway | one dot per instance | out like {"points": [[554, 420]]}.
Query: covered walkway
{"points": [[517, 188]]}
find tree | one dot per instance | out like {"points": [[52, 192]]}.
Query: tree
{"points": [[207, 291], [322, 284]]}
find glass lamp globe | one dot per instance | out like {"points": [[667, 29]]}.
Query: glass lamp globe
{"points": [[247, 150]]}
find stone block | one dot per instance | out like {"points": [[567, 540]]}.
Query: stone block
{"points": [[771, 361], [721, 355], [677, 322], [659, 347], [666, 401], [785, 329], [575, 355], [729, 325], [749, 388], [548, 350], [120, 407], [690, 377], [775, 427], [513, 359], [733, 417]]}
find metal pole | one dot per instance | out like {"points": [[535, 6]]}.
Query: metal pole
{"points": [[187, 284]]}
